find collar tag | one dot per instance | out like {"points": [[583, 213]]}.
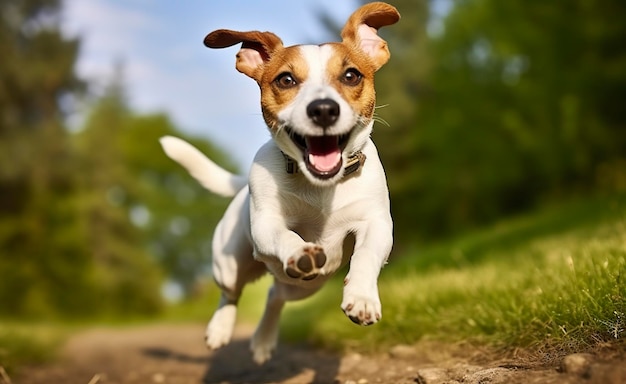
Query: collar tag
{"points": [[355, 162]]}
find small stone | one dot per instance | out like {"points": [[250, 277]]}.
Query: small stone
{"points": [[460, 370], [577, 364], [355, 356], [158, 378], [432, 376], [362, 381], [402, 351]]}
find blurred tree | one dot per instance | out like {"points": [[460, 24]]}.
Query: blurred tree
{"points": [[175, 213], [127, 279], [501, 106], [39, 249], [137, 201], [90, 223]]}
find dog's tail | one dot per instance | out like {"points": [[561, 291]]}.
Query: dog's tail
{"points": [[210, 175]]}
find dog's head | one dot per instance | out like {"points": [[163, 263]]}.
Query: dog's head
{"points": [[317, 100]]}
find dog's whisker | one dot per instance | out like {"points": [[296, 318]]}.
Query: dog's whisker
{"points": [[376, 117], [279, 127], [380, 120]]}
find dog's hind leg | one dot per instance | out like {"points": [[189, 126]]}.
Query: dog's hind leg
{"points": [[233, 268], [231, 273], [265, 337]]}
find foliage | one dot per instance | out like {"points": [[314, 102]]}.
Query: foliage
{"points": [[113, 242], [199, 308], [507, 105], [37, 220], [554, 286], [166, 212], [21, 345], [92, 222], [52, 262]]}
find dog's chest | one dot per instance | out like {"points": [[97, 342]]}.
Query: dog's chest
{"points": [[321, 216]]}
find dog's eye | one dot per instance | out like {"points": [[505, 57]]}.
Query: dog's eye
{"points": [[351, 77], [285, 80]]}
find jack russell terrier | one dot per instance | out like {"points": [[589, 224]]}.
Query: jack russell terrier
{"points": [[316, 197]]}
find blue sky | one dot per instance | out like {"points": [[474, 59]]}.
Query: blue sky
{"points": [[167, 68]]}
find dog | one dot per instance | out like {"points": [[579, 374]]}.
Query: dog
{"points": [[316, 197]]}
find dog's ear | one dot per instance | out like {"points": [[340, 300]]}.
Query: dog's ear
{"points": [[256, 48], [361, 30]]}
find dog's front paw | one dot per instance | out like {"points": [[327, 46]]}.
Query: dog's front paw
{"points": [[306, 265], [361, 310]]}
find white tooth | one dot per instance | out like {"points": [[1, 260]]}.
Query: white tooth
{"points": [[311, 159]]}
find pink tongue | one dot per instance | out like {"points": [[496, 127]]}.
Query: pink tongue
{"points": [[323, 152]]}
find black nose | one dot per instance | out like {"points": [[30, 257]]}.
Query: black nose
{"points": [[323, 112]]}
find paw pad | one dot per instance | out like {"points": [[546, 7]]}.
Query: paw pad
{"points": [[307, 265]]}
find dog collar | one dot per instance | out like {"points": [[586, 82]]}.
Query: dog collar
{"points": [[354, 163]]}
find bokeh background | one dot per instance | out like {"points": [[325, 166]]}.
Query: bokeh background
{"points": [[494, 108]]}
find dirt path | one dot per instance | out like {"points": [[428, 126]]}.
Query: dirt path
{"points": [[175, 354]]}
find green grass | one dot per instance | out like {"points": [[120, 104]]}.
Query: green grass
{"points": [[555, 279], [201, 308], [552, 280], [27, 344]]}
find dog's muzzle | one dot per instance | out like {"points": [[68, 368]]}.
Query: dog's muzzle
{"points": [[322, 152]]}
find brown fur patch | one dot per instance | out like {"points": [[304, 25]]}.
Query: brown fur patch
{"points": [[361, 97], [273, 97]]}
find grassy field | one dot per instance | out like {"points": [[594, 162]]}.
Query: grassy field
{"points": [[551, 280], [28, 343], [554, 280]]}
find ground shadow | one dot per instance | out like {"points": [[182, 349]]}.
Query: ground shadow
{"points": [[233, 364], [167, 354]]}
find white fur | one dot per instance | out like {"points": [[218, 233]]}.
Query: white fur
{"points": [[282, 220], [283, 214], [210, 175]]}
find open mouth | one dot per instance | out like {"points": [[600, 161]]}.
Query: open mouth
{"points": [[322, 154]]}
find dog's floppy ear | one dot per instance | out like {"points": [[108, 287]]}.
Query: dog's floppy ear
{"points": [[256, 48], [361, 30]]}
